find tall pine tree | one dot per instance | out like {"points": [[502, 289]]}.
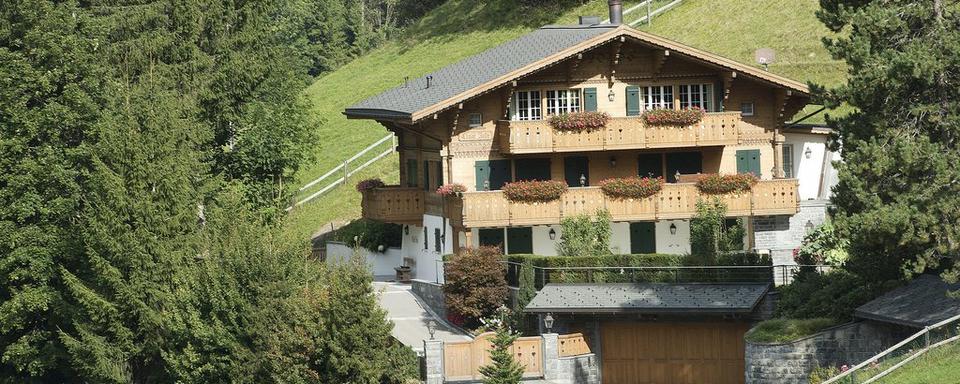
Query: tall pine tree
{"points": [[899, 185]]}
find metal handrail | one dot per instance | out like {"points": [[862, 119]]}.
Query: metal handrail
{"points": [[877, 357]]}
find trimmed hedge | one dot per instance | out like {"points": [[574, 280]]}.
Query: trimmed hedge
{"points": [[370, 234], [786, 330]]}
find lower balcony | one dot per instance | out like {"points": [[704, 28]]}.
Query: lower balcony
{"points": [[674, 201], [395, 204]]}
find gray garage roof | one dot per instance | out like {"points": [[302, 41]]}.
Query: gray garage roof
{"points": [[647, 298], [920, 303], [403, 101]]}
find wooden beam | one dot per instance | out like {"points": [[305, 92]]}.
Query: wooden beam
{"points": [[508, 100], [659, 58], [728, 78], [615, 58]]}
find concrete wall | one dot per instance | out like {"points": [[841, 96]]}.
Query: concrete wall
{"points": [[381, 264], [790, 363], [809, 170], [782, 234], [426, 262], [432, 294], [677, 244]]}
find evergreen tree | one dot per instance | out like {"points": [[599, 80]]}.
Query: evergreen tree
{"points": [[503, 368], [898, 188]]}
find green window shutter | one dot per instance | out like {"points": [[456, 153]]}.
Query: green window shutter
{"points": [[748, 161], [531, 169], [643, 237], [482, 169], [590, 99], [519, 240], [491, 237], [633, 101], [573, 168], [411, 172], [426, 175]]}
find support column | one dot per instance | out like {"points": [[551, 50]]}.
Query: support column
{"points": [[456, 239], [469, 235], [433, 356], [551, 356], [778, 140]]}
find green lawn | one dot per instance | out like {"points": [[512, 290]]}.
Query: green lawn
{"points": [[461, 28], [940, 366]]}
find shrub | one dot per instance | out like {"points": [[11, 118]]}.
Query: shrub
{"points": [[673, 117], [579, 121], [822, 246], [583, 236], [475, 286], [785, 330], [368, 184], [370, 234], [631, 187], [833, 295], [534, 191], [451, 189], [717, 184]]}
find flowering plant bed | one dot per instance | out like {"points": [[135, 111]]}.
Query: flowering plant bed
{"points": [[673, 117], [579, 121], [717, 184], [534, 191], [455, 189], [368, 184], [631, 187]]}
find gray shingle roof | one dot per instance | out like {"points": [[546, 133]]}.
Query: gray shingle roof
{"points": [[920, 303], [403, 101], [647, 298]]}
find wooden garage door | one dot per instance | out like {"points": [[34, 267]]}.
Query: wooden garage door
{"points": [[672, 353]]}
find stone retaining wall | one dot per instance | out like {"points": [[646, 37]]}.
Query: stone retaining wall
{"points": [[583, 369], [431, 294], [792, 362]]}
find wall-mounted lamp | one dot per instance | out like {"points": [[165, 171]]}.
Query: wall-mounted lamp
{"points": [[808, 153], [611, 95], [548, 322], [583, 180], [673, 229], [552, 234], [431, 328], [613, 161], [809, 226]]}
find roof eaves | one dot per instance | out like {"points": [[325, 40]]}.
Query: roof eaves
{"points": [[525, 70]]}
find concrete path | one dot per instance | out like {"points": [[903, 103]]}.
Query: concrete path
{"points": [[410, 316]]}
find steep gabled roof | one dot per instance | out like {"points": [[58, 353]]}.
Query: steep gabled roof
{"points": [[512, 60]]}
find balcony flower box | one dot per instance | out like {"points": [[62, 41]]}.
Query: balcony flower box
{"points": [[673, 117], [534, 191], [451, 190], [631, 187], [579, 121], [370, 184], [717, 184]]}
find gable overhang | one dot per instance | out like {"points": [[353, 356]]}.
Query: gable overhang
{"points": [[792, 87]]}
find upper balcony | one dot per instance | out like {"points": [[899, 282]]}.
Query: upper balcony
{"points": [[716, 128]]}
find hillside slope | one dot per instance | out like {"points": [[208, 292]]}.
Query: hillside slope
{"points": [[460, 28]]}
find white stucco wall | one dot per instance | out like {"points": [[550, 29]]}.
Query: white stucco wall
{"points": [[381, 264], [426, 263], [542, 245], [808, 170], [668, 243], [620, 238]]}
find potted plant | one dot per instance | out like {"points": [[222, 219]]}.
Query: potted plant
{"points": [[717, 184], [369, 184], [579, 121], [631, 187], [673, 117], [454, 189]]}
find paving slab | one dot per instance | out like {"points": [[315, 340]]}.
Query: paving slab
{"points": [[410, 317]]}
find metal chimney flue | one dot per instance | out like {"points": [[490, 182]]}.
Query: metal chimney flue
{"points": [[616, 11]]}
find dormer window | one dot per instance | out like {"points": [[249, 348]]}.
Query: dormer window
{"points": [[527, 105], [563, 101], [696, 95]]}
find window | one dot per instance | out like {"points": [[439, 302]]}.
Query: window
{"points": [[746, 109], [528, 105], [437, 240], [696, 95], [475, 120], [658, 97], [563, 101], [788, 161]]}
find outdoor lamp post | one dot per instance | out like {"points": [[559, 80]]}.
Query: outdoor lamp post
{"points": [[431, 328], [548, 322]]}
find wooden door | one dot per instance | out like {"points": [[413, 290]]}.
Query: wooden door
{"points": [[650, 165], [672, 353], [643, 238], [491, 237], [491, 175], [748, 161], [684, 163], [573, 168], [519, 240], [531, 169]]}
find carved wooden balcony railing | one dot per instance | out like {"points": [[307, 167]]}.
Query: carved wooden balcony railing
{"points": [[395, 204], [718, 128], [674, 201]]}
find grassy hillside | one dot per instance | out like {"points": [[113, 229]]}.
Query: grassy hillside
{"points": [[460, 28], [941, 366]]}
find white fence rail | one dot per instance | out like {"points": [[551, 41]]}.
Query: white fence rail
{"points": [[345, 170], [893, 358]]}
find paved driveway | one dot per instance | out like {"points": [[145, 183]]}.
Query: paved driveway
{"points": [[410, 317]]}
